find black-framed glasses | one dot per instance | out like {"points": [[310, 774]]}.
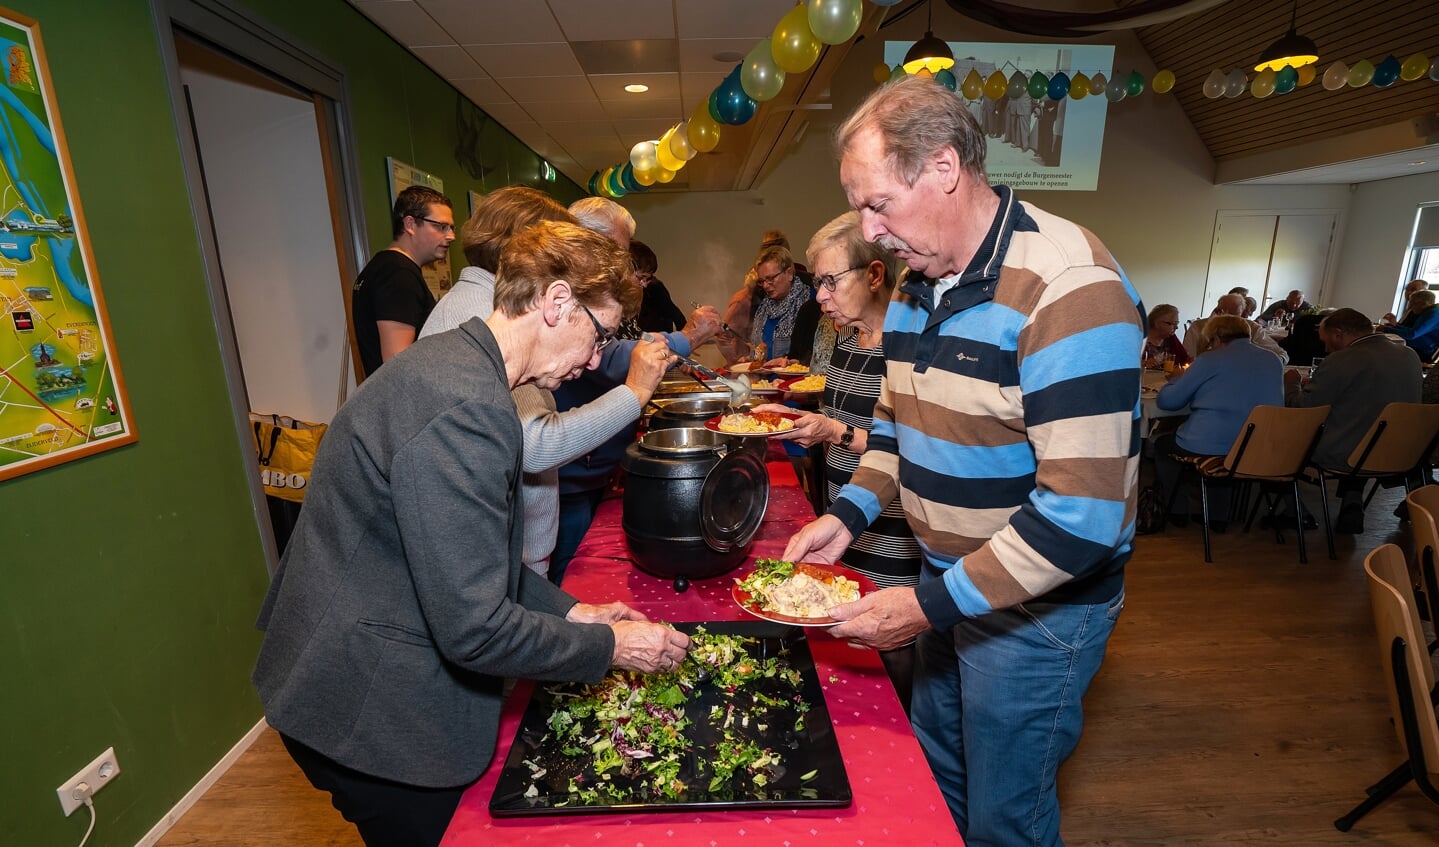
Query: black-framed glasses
{"points": [[440, 225], [766, 280], [603, 337], [829, 281]]}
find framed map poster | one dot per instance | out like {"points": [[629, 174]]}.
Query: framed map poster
{"points": [[402, 176], [61, 395]]}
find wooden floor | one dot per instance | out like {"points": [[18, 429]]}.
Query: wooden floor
{"points": [[1240, 703]]}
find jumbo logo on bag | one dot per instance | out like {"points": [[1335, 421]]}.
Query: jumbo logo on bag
{"points": [[280, 479], [285, 448]]}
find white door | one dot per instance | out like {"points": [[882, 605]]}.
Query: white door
{"points": [[1271, 254], [1301, 257], [1239, 257]]}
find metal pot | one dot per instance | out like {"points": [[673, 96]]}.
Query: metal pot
{"points": [[693, 502], [690, 410]]}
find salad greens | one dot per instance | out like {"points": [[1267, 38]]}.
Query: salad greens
{"points": [[629, 739], [767, 572]]}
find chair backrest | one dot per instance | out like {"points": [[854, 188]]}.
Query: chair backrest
{"points": [[1397, 440], [1275, 441], [1424, 517], [1396, 617]]}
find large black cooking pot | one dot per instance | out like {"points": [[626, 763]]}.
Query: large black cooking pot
{"points": [[693, 501]]}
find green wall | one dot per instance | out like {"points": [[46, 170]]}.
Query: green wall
{"points": [[131, 579]]}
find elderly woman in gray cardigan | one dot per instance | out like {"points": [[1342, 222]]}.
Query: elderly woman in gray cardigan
{"points": [[401, 604]]}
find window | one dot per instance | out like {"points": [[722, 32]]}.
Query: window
{"points": [[1423, 258]]}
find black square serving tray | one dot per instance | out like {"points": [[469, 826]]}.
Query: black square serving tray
{"points": [[813, 748]]}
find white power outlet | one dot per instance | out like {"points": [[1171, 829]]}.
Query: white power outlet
{"points": [[96, 775]]}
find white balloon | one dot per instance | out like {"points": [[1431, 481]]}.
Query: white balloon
{"points": [[1214, 84], [1235, 83]]}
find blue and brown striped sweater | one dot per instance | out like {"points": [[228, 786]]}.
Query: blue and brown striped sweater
{"points": [[1008, 421]]}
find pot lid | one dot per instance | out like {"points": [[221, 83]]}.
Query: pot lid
{"points": [[733, 500]]}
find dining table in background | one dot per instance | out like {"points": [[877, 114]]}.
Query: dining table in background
{"points": [[896, 800], [1150, 381]]}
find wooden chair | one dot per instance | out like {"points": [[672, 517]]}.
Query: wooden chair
{"points": [[1398, 443], [1410, 673], [1273, 446], [1424, 517]]}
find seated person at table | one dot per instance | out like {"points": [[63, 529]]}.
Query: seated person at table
{"points": [[1361, 374], [401, 605], [786, 318], [1422, 332], [855, 279], [1220, 389], [1408, 320], [1161, 344], [1231, 304], [1303, 343], [1250, 307], [1289, 307]]}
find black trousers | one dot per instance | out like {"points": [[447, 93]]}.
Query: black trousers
{"points": [[387, 814]]}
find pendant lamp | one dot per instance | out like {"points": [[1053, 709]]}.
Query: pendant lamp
{"points": [[1293, 49], [928, 53]]}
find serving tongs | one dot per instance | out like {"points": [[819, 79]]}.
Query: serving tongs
{"points": [[739, 387]]}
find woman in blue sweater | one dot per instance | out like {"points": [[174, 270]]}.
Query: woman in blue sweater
{"points": [[1222, 386]]}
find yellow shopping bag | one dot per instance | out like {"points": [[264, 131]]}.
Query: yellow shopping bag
{"points": [[285, 448]]}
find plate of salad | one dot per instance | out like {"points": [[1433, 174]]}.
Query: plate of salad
{"points": [[798, 593], [742, 723]]}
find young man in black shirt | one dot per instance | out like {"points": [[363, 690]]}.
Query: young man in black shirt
{"points": [[390, 300]]}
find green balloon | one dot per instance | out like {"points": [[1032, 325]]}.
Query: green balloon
{"points": [[898, 73], [1038, 85], [1135, 86]]}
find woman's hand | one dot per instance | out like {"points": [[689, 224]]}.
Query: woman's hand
{"points": [[810, 429]]}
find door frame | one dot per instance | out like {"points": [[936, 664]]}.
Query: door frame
{"points": [[236, 31]]}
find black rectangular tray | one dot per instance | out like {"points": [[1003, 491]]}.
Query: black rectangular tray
{"points": [[813, 749]]}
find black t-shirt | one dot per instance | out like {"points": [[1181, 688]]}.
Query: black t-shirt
{"points": [[390, 288]]}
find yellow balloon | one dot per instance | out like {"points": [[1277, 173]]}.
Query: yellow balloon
{"points": [[664, 175], [973, 86], [1307, 73], [881, 73], [704, 133], [924, 72], [996, 85], [794, 46], [680, 144], [1079, 86], [665, 156], [645, 177], [605, 182], [1162, 82], [1414, 67]]}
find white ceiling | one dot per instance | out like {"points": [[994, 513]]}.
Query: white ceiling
{"points": [[553, 71], [1403, 163]]}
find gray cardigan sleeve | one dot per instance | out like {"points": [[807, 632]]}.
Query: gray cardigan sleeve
{"points": [[554, 438]]}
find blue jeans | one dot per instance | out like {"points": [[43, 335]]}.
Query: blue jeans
{"points": [[997, 709], [577, 512]]}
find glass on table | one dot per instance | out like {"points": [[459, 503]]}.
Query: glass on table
{"points": [[1314, 365]]}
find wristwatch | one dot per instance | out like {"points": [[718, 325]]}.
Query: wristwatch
{"points": [[847, 437]]}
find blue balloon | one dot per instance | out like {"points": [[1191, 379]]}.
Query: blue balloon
{"points": [[1286, 80], [594, 185], [946, 78], [1386, 72], [627, 178], [733, 105], [1058, 86]]}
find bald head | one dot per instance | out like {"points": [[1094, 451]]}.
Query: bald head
{"points": [[1230, 304]]}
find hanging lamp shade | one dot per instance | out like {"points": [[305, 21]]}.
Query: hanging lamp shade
{"points": [[1293, 50], [928, 53]]}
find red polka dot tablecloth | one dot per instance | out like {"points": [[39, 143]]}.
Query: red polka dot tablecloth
{"points": [[896, 800]]}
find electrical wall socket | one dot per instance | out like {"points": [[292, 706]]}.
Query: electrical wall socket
{"points": [[97, 775]]}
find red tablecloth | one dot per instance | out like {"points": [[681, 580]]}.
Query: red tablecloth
{"points": [[896, 800]]}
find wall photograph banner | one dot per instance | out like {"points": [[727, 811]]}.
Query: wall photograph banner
{"points": [[61, 395]]}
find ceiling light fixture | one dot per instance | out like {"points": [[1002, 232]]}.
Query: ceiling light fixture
{"points": [[1293, 49], [928, 53], [637, 88]]}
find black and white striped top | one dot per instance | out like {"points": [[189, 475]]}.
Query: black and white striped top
{"points": [[886, 552]]}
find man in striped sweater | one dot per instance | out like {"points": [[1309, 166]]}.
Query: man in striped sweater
{"points": [[1008, 427]]}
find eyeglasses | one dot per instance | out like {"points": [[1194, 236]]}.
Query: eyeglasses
{"points": [[440, 225], [829, 281], [766, 280], [603, 337]]}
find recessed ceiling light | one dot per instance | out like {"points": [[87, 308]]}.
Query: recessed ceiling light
{"points": [[637, 88], [1421, 162], [728, 56]]}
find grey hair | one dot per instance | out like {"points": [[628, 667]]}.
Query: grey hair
{"points": [[917, 117], [845, 231], [602, 214]]}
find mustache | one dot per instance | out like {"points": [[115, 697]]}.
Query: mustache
{"points": [[890, 243]]}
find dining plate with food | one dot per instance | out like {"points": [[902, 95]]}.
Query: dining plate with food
{"points": [[799, 593], [757, 424], [813, 384]]}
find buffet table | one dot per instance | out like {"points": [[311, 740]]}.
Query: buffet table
{"points": [[896, 800]]}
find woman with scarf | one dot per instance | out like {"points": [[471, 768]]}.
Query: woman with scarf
{"points": [[787, 316]]}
